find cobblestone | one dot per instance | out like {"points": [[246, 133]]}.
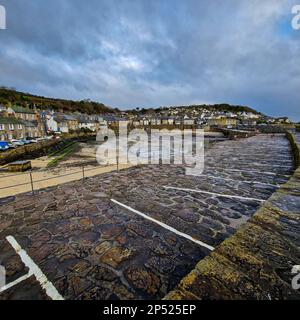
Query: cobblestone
{"points": [[91, 248]]}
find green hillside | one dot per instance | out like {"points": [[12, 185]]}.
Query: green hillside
{"points": [[222, 107], [9, 96]]}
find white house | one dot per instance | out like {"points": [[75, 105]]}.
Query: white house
{"points": [[87, 124], [188, 121], [146, 121], [171, 120], [2, 108], [249, 115], [51, 124], [56, 124]]}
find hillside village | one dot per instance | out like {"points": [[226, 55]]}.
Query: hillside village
{"points": [[30, 121]]}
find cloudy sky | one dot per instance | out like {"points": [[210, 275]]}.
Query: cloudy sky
{"points": [[143, 53]]}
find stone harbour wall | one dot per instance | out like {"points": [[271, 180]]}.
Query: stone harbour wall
{"points": [[275, 128], [295, 148], [256, 262], [238, 134], [40, 149]]}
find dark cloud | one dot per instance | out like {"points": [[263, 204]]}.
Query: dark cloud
{"points": [[151, 52]]}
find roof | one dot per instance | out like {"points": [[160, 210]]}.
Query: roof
{"points": [[69, 117], [10, 120], [18, 109], [45, 112], [114, 118], [87, 121], [63, 117], [20, 162], [109, 118], [59, 119], [32, 124]]}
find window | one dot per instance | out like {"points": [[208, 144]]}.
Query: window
{"points": [[20, 127], [11, 127], [1, 126]]}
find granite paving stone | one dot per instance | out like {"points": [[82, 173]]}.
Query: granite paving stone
{"points": [[91, 248]]}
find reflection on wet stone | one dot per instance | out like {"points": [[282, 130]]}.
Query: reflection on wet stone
{"points": [[90, 248]]}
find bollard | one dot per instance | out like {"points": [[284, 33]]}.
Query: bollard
{"points": [[83, 174]]}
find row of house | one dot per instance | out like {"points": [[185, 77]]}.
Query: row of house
{"points": [[200, 117], [60, 122], [11, 128], [19, 122], [156, 121], [186, 121], [16, 128], [206, 113]]}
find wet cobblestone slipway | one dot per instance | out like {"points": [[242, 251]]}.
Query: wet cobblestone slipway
{"points": [[90, 247]]}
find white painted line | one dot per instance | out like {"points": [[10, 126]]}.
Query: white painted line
{"points": [[15, 282], [245, 160], [258, 165], [35, 270], [181, 234], [215, 194], [249, 171], [240, 181]]}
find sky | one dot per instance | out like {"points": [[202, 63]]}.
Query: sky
{"points": [[151, 53]]}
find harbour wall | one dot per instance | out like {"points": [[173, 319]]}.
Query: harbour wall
{"points": [[257, 261]]}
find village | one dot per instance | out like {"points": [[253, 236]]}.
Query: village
{"points": [[149, 157], [20, 125]]}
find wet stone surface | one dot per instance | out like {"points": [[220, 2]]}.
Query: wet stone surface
{"points": [[91, 248]]}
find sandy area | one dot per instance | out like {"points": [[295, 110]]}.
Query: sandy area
{"points": [[71, 167]]}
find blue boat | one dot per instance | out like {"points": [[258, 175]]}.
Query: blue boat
{"points": [[4, 145]]}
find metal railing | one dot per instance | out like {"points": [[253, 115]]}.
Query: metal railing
{"points": [[32, 182]]}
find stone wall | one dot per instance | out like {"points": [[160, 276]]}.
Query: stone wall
{"points": [[275, 128], [41, 148], [295, 148], [257, 261], [130, 127], [237, 134]]}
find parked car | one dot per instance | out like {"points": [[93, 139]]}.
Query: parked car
{"points": [[25, 141], [12, 146], [17, 142], [4, 145]]}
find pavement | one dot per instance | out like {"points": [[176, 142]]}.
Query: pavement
{"points": [[134, 234]]}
